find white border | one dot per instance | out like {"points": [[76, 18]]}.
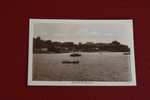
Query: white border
{"points": [[77, 83]]}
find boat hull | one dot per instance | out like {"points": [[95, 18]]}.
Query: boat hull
{"points": [[70, 62]]}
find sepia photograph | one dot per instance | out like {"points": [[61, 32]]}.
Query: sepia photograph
{"points": [[73, 52]]}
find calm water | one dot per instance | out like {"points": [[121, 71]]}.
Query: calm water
{"points": [[102, 66]]}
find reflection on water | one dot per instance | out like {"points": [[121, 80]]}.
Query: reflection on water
{"points": [[99, 66]]}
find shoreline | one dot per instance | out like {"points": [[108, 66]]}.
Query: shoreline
{"points": [[80, 52]]}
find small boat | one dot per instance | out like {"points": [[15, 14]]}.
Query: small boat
{"points": [[126, 53], [75, 54], [70, 62]]}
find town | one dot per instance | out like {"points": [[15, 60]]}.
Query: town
{"points": [[49, 46]]}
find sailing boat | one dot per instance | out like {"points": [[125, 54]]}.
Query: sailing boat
{"points": [[126, 53], [75, 54]]}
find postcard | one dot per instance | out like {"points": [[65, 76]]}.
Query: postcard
{"points": [[72, 52]]}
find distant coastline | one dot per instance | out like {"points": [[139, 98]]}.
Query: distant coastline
{"points": [[49, 46]]}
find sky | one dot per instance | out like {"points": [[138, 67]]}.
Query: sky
{"points": [[85, 31]]}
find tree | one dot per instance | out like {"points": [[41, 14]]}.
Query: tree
{"points": [[115, 43], [37, 43]]}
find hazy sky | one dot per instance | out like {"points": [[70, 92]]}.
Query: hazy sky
{"points": [[102, 31]]}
